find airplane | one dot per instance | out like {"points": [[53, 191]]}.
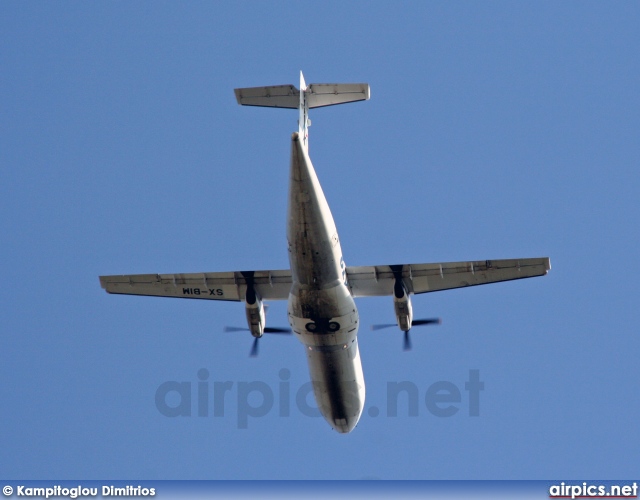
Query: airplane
{"points": [[319, 287]]}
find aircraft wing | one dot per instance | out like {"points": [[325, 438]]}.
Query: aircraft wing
{"points": [[270, 285], [367, 281]]}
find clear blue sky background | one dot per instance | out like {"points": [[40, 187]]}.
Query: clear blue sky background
{"points": [[494, 130]]}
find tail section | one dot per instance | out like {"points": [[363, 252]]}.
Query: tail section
{"points": [[315, 95], [303, 120]]}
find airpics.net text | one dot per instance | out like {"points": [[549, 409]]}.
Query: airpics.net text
{"points": [[257, 399]]}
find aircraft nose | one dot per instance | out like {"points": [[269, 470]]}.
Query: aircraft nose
{"points": [[344, 425]]}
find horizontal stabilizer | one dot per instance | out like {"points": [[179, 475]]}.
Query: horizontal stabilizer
{"points": [[317, 94], [278, 96], [328, 94]]}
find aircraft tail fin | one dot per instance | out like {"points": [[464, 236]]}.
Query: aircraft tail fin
{"points": [[315, 95]]}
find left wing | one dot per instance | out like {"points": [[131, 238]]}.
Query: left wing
{"points": [[367, 281], [270, 285]]}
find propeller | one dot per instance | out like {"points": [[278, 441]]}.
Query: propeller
{"points": [[254, 347], [415, 322], [266, 330], [254, 306]]}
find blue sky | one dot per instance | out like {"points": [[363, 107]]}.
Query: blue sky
{"points": [[494, 130]]}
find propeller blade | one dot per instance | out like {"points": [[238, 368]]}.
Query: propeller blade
{"points": [[277, 330], [254, 348], [431, 321], [415, 322], [381, 327], [266, 330], [235, 329], [407, 342]]}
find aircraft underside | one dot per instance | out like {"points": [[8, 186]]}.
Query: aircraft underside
{"points": [[319, 286]]}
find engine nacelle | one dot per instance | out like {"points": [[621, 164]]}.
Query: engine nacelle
{"points": [[402, 306], [254, 310]]}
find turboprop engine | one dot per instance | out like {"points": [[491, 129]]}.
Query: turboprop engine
{"points": [[403, 309], [402, 306], [254, 309]]}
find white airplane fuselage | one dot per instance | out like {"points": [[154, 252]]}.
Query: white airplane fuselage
{"points": [[322, 312]]}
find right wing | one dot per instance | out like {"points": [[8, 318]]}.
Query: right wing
{"points": [[367, 281], [270, 285]]}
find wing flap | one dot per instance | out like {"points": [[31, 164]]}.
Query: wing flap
{"points": [[422, 278], [270, 285]]}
